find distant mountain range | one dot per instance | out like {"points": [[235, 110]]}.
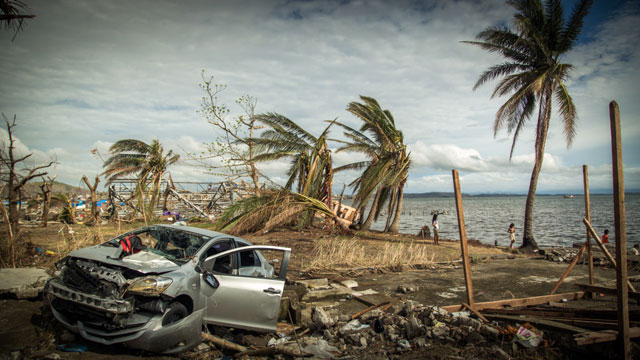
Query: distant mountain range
{"points": [[33, 189]]}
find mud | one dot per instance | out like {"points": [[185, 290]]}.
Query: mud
{"points": [[25, 327]]}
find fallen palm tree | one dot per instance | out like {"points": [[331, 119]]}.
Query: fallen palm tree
{"points": [[272, 209]]}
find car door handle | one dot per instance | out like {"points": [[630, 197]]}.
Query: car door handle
{"points": [[271, 291]]}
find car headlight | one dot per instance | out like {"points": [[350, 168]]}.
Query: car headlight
{"points": [[150, 285]]}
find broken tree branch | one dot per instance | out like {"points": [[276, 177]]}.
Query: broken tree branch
{"points": [[223, 343], [355, 316]]}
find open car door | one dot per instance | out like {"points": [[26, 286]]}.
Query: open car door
{"points": [[244, 285]]}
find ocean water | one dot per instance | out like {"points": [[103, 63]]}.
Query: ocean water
{"points": [[557, 220]]}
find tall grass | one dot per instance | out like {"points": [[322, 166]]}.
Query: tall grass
{"points": [[346, 254]]}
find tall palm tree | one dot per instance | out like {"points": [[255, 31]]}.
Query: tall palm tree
{"points": [[388, 161], [533, 75], [146, 161]]}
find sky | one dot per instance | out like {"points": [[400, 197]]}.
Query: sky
{"points": [[85, 74]]}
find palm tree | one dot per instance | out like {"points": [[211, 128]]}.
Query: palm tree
{"points": [[534, 76], [309, 155], [388, 161], [311, 164], [146, 161]]}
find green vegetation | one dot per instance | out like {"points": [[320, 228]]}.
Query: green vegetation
{"points": [[147, 162], [387, 165]]}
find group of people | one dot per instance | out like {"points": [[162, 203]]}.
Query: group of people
{"points": [[512, 235]]}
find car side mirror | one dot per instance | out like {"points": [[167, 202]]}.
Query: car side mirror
{"points": [[211, 280]]}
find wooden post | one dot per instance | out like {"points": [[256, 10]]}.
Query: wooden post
{"points": [[587, 211], [566, 272], [621, 234], [466, 266]]}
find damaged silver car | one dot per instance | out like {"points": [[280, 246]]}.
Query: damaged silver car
{"points": [[153, 288]]}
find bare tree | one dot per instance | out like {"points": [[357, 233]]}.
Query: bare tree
{"points": [[12, 15], [16, 177], [46, 188], [94, 198], [235, 145]]}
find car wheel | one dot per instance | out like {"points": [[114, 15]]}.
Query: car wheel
{"points": [[175, 312]]}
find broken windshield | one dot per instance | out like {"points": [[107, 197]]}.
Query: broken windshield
{"points": [[173, 244]]}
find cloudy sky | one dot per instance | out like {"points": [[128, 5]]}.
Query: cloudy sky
{"points": [[84, 74]]}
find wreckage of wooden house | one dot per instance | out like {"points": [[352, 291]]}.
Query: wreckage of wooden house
{"points": [[189, 199]]}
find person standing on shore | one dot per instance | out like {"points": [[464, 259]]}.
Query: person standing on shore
{"points": [[605, 237], [436, 228], [512, 234]]}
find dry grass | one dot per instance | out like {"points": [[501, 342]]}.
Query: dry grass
{"points": [[57, 240], [338, 254]]}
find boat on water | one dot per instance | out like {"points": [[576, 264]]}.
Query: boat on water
{"points": [[569, 196]]}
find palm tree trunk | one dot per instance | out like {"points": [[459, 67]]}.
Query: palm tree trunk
{"points": [[392, 205], [396, 218], [372, 212], [528, 240]]}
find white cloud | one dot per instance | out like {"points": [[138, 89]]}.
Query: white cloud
{"points": [[115, 70]]}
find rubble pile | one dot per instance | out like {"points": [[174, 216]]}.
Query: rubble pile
{"points": [[567, 255], [412, 328]]}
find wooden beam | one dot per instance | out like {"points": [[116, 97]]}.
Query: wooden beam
{"points": [[596, 238], [535, 300], [539, 322], [466, 265], [568, 313], [607, 290], [621, 234], [587, 215], [594, 337], [480, 316], [569, 268]]}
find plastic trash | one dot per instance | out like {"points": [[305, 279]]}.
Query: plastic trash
{"points": [[404, 344], [280, 341], [322, 350], [527, 337], [71, 347], [353, 326], [378, 326]]}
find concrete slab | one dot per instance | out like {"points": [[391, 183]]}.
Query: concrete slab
{"points": [[349, 283], [23, 283], [314, 283], [335, 293]]}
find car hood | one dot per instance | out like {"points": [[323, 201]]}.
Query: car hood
{"points": [[144, 261]]}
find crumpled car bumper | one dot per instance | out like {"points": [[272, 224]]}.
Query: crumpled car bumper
{"points": [[142, 330]]}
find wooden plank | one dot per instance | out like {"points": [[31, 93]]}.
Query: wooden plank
{"points": [[596, 238], [607, 290], [587, 215], [593, 337], [621, 234], [543, 323], [569, 268], [466, 265], [480, 316], [569, 313], [535, 300]]}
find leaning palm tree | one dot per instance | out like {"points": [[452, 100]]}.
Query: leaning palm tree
{"points": [[387, 165], [533, 75], [146, 161], [311, 170], [309, 155]]}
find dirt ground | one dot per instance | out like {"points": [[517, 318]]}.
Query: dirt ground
{"points": [[496, 274]]}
